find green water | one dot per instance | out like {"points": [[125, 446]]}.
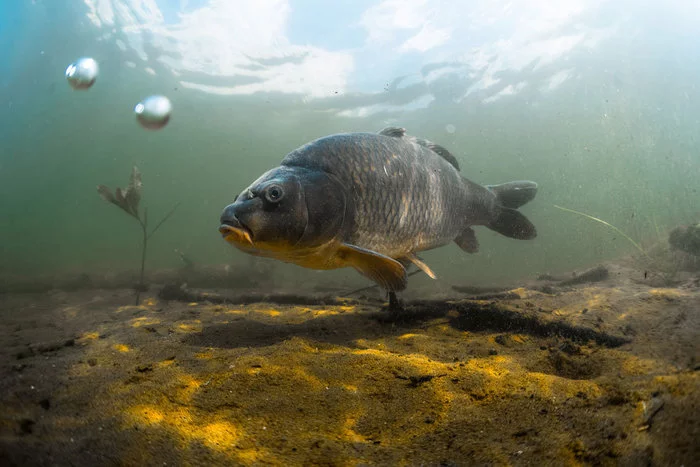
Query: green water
{"points": [[618, 139]]}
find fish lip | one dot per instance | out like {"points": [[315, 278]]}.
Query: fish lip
{"points": [[237, 228]]}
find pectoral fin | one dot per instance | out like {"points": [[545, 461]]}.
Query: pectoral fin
{"points": [[385, 271], [420, 264]]}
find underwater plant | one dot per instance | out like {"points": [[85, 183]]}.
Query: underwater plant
{"points": [[588, 216], [128, 199], [658, 260]]}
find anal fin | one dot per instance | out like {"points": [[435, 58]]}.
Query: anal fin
{"points": [[385, 271], [420, 264], [467, 240]]}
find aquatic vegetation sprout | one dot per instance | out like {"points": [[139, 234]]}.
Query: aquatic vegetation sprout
{"points": [[128, 199], [636, 245]]}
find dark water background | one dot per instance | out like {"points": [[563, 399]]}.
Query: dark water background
{"points": [[597, 101]]}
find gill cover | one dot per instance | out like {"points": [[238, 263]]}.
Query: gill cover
{"points": [[326, 206]]}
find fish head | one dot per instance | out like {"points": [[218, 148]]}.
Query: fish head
{"points": [[286, 209]]}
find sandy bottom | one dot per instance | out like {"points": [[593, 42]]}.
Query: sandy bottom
{"points": [[598, 373]]}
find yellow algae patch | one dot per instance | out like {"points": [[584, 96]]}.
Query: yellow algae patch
{"points": [[597, 301], [410, 335], [218, 434], [373, 352], [419, 361], [291, 373], [190, 326], [325, 312], [667, 293], [189, 426], [192, 304], [165, 363], [144, 321], [635, 366], [541, 383], [208, 355], [453, 314], [491, 339], [679, 385], [130, 308], [555, 387], [89, 336], [150, 302], [269, 312], [188, 386], [146, 414], [519, 338], [503, 375], [121, 348], [495, 367], [347, 430]]}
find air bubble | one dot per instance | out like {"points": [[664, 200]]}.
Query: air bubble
{"points": [[153, 113], [82, 73]]}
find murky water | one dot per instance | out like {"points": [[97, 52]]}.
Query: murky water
{"points": [[596, 101]]}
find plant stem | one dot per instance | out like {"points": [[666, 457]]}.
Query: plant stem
{"points": [[165, 218], [144, 245], [609, 225]]}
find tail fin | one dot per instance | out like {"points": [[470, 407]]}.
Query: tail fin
{"points": [[514, 194], [508, 221]]}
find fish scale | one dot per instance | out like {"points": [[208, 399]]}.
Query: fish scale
{"points": [[382, 170]]}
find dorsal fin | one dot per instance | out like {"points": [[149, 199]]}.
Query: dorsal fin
{"points": [[439, 150], [393, 131], [397, 132]]}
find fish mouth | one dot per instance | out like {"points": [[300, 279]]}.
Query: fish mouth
{"points": [[236, 232]]}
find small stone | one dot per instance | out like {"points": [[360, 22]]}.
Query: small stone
{"points": [[26, 426], [501, 339]]}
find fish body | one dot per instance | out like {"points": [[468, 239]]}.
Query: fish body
{"points": [[371, 201]]}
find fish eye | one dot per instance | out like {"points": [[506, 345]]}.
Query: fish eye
{"points": [[274, 193]]}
